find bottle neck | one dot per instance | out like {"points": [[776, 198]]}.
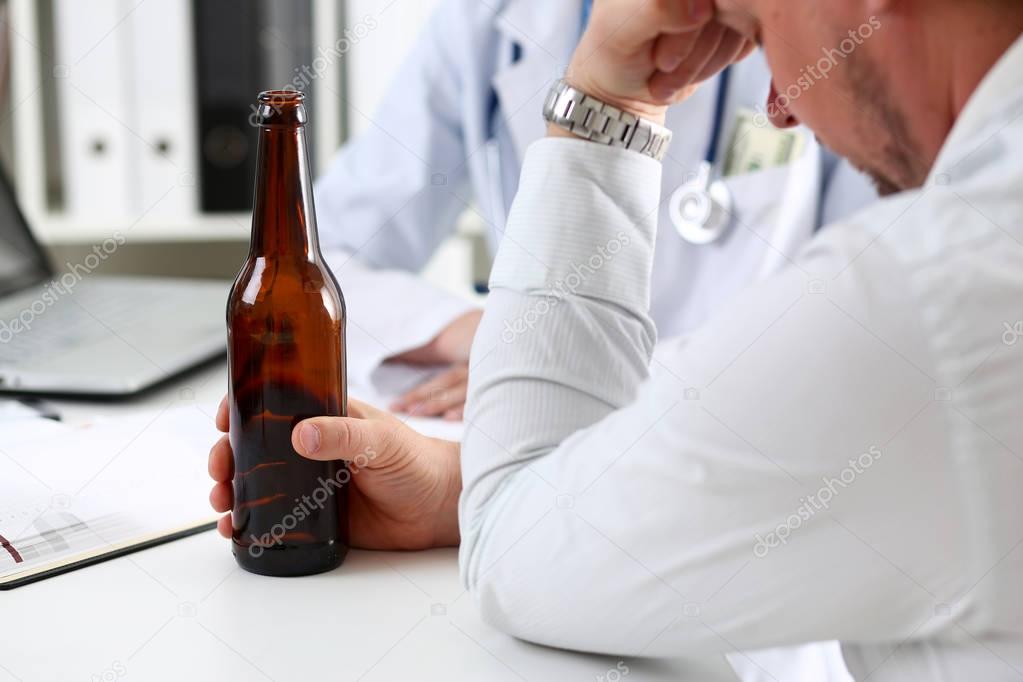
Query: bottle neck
{"points": [[283, 217]]}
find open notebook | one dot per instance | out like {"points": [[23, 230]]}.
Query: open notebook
{"points": [[72, 496]]}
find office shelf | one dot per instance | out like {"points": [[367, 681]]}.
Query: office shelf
{"points": [[33, 72]]}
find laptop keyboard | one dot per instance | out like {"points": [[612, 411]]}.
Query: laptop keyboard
{"points": [[88, 316]]}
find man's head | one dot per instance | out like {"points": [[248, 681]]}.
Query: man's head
{"points": [[881, 82]]}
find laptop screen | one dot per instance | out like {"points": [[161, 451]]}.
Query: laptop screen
{"points": [[22, 262]]}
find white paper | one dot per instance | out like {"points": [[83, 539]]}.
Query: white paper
{"points": [[66, 492]]}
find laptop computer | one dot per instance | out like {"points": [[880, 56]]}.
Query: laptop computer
{"points": [[69, 331]]}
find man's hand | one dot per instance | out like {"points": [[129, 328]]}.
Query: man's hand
{"points": [[405, 486], [443, 395], [645, 56]]}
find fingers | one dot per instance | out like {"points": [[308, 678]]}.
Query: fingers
{"points": [[671, 49], [224, 526], [437, 396], [733, 48], [717, 48], [222, 497], [441, 401], [659, 16], [455, 414], [221, 468], [222, 416], [665, 84], [420, 395], [345, 438], [745, 50], [700, 11], [221, 461], [221, 458]]}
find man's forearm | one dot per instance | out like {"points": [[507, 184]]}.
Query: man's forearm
{"points": [[565, 338]]}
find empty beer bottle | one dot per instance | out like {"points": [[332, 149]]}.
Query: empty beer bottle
{"points": [[286, 352]]}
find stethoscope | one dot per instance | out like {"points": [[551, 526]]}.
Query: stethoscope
{"points": [[701, 209]]}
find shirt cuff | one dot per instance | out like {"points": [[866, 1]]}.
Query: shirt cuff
{"points": [[583, 223]]}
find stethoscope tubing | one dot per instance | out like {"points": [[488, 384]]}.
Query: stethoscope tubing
{"points": [[701, 209]]}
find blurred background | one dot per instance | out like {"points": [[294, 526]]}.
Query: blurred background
{"points": [[106, 104]]}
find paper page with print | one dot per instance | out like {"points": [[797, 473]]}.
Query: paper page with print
{"points": [[73, 496]]}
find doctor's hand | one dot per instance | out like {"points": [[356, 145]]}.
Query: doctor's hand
{"points": [[444, 394], [644, 57], [441, 396], [405, 486]]}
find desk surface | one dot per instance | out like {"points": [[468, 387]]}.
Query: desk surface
{"points": [[184, 611]]}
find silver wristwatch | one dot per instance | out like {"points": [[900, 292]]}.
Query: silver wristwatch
{"points": [[589, 118]]}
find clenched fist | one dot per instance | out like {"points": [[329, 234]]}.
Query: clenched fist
{"points": [[645, 56]]}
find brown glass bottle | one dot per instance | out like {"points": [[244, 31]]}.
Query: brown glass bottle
{"points": [[286, 356]]}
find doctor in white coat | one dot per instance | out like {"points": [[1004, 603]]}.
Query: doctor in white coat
{"points": [[450, 135]]}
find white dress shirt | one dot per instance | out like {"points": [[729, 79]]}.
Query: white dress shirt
{"points": [[837, 454]]}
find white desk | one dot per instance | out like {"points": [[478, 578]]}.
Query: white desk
{"points": [[184, 611]]}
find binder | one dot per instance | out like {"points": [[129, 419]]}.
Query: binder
{"points": [[155, 100], [91, 73], [163, 81], [229, 78], [269, 43]]}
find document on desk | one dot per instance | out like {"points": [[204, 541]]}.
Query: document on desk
{"points": [[74, 496]]}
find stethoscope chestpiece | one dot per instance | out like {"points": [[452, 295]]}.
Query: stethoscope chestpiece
{"points": [[701, 210]]}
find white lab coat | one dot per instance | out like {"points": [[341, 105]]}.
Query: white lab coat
{"points": [[450, 135]]}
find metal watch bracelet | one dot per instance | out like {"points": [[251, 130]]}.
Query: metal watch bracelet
{"points": [[592, 119]]}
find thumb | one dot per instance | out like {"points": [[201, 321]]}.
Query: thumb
{"points": [[361, 441]]}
